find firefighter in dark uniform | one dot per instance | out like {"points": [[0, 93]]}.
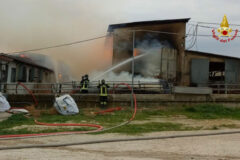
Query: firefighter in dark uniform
{"points": [[103, 88], [84, 84]]}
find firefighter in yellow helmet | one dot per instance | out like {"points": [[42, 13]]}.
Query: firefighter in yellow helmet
{"points": [[103, 88]]}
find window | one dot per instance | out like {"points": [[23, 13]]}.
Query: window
{"points": [[13, 75], [4, 72], [4, 67], [40, 75], [216, 72], [31, 75], [22, 73]]}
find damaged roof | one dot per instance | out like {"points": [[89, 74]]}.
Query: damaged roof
{"points": [[112, 27], [19, 59]]}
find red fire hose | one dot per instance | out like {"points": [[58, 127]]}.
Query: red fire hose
{"points": [[99, 128], [134, 98], [109, 110], [29, 91]]}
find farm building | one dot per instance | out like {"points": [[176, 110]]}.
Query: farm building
{"points": [[15, 69], [170, 60]]}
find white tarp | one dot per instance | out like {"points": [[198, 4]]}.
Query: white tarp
{"points": [[18, 111], [4, 105], [66, 105]]}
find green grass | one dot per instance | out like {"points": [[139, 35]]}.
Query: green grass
{"points": [[16, 120], [211, 111], [132, 129], [201, 111]]}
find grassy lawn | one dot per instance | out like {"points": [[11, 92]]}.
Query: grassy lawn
{"points": [[199, 112]]}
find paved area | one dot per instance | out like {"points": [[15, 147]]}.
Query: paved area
{"points": [[222, 147], [4, 115]]}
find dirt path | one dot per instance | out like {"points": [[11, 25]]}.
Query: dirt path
{"points": [[4, 116], [224, 147], [202, 123]]}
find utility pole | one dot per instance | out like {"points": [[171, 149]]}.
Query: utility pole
{"points": [[133, 67]]}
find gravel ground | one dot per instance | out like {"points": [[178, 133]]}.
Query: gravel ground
{"points": [[223, 147]]}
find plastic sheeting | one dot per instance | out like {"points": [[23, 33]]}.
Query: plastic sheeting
{"points": [[18, 111], [66, 105], [4, 105]]}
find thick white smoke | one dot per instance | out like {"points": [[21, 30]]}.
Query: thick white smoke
{"points": [[146, 63], [123, 76]]}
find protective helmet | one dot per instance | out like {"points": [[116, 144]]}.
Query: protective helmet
{"points": [[103, 81]]}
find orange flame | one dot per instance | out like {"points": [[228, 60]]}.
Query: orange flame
{"points": [[60, 76], [136, 52]]}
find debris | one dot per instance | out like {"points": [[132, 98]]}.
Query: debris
{"points": [[4, 105], [66, 105], [18, 111]]}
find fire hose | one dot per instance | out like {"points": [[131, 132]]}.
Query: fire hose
{"points": [[99, 128]]}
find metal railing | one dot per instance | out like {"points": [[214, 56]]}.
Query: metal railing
{"points": [[73, 87], [140, 87], [225, 88]]}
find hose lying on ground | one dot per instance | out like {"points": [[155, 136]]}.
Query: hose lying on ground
{"points": [[118, 140], [109, 110], [99, 128]]}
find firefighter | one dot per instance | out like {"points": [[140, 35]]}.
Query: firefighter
{"points": [[84, 84], [103, 93]]}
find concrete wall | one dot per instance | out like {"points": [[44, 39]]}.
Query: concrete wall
{"points": [[143, 100]]}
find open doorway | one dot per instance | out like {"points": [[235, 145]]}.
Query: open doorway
{"points": [[216, 72]]}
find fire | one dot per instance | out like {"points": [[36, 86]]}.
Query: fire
{"points": [[136, 52], [60, 76], [22, 56]]}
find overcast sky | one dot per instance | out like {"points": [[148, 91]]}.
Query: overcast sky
{"points": [[27, 24]]}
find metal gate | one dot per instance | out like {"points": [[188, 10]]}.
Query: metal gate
{"points": [[231, 71]]}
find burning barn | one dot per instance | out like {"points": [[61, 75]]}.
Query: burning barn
{"points": [[162, 46], [162, 42], [19, 68]]}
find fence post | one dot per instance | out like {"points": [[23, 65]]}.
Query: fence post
{"points": [[60, 89], [5, 88], [226, 88]]}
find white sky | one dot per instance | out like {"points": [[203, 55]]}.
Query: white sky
{"points": [[27, 24]]}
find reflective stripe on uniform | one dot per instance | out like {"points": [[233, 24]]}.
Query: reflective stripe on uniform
{"points": [[103, 91], [85, 85]]}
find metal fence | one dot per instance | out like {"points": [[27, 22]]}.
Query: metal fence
{"points": [[225, 88], [74, 87]]}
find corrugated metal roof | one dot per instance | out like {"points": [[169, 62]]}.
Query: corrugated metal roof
{"points": [[213, 54], [144, 23], [25, 60]]}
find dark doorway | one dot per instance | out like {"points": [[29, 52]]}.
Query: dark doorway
{"points": [[216, 72]]}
